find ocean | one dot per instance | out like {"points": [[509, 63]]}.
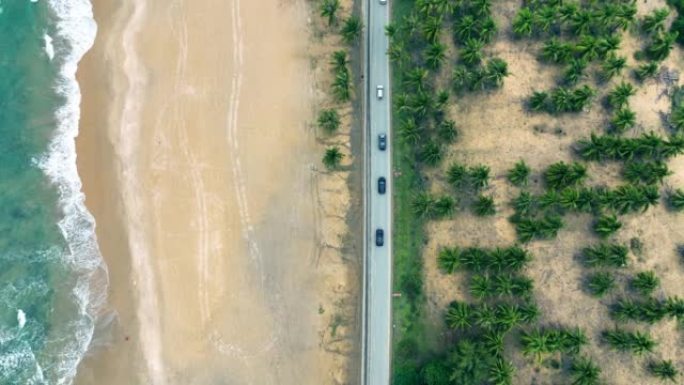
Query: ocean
{"points": [[53, 281]]}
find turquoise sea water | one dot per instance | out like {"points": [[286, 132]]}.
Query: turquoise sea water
{"points": [[52, 280]]}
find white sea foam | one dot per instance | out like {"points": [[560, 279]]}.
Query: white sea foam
{"points": [[49, 48], [21, 318], [74, 34]]}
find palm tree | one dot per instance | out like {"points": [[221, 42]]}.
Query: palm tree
{"points": [[574, 71], [677, 118], [519, 174], [655, 21], [484, 206], [456, 174], [523, 22], [447, 132], [664, 370], [588, 47], [646, 172], [623, 120], [580, 98], [487, 29], [617, 98], [538, 101], [481, 286], [606, 225], [600, 283], [612, 66], [339, 59], [661, 45], [529, 312], [571, 341], [676, 200], [328, 120], [609, 44], [465, 28], [496, 70], [416, 78], [605, 254], [545, 18], [508, 316], [431, 28], [479, 176], [585, 372], [475, 259], [626, 14], [481, 8], [485, 317], [449, 259], [523, 203], [459, 315], [581, 22], [535, 343], [435, 54], [431, 154], [397, 53], [561, 175], [645, 71], [409, 131], [445, 206], [332, 158], [351, 29], [645, 282], [635, 342], [556, 51], [329, 10], [341, 85], [561, 100], [423, 204], [501, 372], [471, 53], [462, 78], [674, 306]]}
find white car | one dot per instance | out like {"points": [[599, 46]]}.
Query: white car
{"points": [[380, 91], [383, 1]]}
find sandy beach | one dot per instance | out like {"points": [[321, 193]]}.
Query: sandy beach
{"points": [[200, 165]]}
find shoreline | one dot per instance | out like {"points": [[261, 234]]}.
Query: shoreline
{"points": [[191, 221]]}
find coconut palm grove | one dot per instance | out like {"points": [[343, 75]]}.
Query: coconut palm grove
{"points": [[576, 209]]}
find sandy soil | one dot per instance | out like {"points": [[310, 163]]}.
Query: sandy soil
{"points": [[497, 131], [200, 163]]}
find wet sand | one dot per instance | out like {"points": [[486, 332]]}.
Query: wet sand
{"points": [[199, 164]]}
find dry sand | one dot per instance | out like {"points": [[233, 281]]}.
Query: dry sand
{"points": [[496, 130], [200, 165]]}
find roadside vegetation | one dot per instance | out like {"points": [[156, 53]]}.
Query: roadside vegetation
{"points": [[448, 56]]}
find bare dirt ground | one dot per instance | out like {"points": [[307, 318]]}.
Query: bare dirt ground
{"points": [[227, 242], [497, 130]]}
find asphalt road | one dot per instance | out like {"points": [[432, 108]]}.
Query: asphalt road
{"points": [[378, 259]]}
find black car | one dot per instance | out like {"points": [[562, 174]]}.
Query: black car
{"points": [[382, 142], [379, 237], [382, 185]]}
